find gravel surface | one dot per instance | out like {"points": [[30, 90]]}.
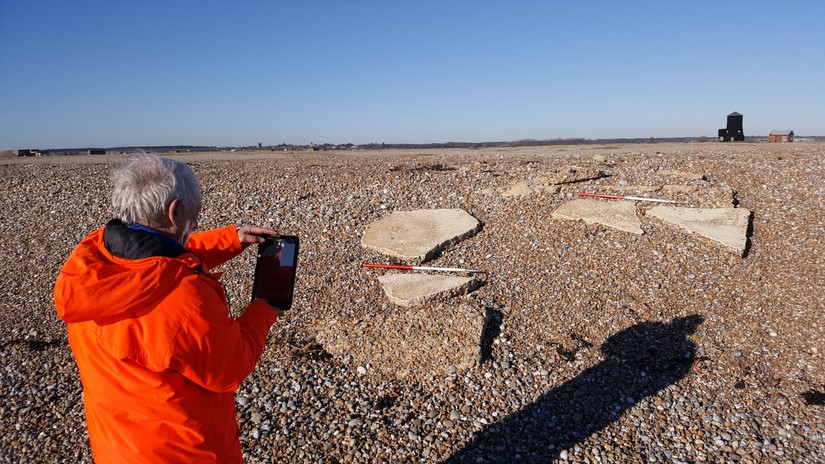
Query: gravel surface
{"points": [[597, 345]]}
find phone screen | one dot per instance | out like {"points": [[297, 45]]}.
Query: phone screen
{"points": [[275, 271]]}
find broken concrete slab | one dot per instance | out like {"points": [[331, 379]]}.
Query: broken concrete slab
{"points": [[411, 289], [527, 187], [573, 174], [419, 235], [619, 215], [550, 183], [728, 226], [393, 342]]}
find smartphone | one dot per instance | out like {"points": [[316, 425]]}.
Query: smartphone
{"points": [[275, 267]]}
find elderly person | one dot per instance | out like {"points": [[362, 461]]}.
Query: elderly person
{"points": [[149, 325]]}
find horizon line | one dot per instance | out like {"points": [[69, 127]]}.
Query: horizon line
{"points": [[450, 144]]}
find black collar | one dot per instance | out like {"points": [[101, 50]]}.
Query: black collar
{"points": [[128, 242]]}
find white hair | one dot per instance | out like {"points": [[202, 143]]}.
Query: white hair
{"points": [[145, 186]]}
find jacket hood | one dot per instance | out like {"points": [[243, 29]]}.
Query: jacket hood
{"points": [[97, 285]]}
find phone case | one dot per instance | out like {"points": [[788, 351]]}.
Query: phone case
{"points": [[275, 271]]}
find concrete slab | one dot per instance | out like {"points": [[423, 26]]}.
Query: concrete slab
{"points": [[419, 235], [550, 183], [619, 215], [411, 289], [573, 174], [526, 187], [728, 226]]}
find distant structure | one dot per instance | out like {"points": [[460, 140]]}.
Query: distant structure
{"points": [[781, 136], [96, 151], [28, 152], [734, 130]]}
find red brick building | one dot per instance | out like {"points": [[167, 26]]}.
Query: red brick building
{"points": [[781, 136]]}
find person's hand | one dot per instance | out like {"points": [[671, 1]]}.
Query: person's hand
{"points": [[249, 235], [278, 311]]}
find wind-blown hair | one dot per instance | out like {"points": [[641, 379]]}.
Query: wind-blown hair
{"points": [[145, 186]]}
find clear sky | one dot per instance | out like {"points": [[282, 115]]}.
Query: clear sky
{"points": [[91, 73]]}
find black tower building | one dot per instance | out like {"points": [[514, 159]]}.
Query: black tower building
{"points": [[734, 130]]}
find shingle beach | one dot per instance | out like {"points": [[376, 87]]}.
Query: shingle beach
{"points": [[581, 343]]}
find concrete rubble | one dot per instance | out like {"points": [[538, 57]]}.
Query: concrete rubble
{"points": [[573, 174], [549, 184], [418, 236]]}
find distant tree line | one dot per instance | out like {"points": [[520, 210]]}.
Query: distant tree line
{"points": [[385, 146]]}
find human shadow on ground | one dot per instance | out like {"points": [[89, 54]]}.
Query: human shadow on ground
{"points": [[490, 331], [639, 362], [748, 235]]}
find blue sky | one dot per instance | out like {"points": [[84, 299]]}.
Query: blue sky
{"points": [[115, 73]]}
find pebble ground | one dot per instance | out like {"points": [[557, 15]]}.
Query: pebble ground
{"points": [[598, 345]]}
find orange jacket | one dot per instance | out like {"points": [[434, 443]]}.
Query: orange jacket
{"points": [[158, 354]]}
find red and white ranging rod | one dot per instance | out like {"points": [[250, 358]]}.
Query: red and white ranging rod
{"points": [[625, 197], [404, 267]]}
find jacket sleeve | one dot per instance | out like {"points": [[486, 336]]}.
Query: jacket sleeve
{"points": [[215, 246], [217, 352]]}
